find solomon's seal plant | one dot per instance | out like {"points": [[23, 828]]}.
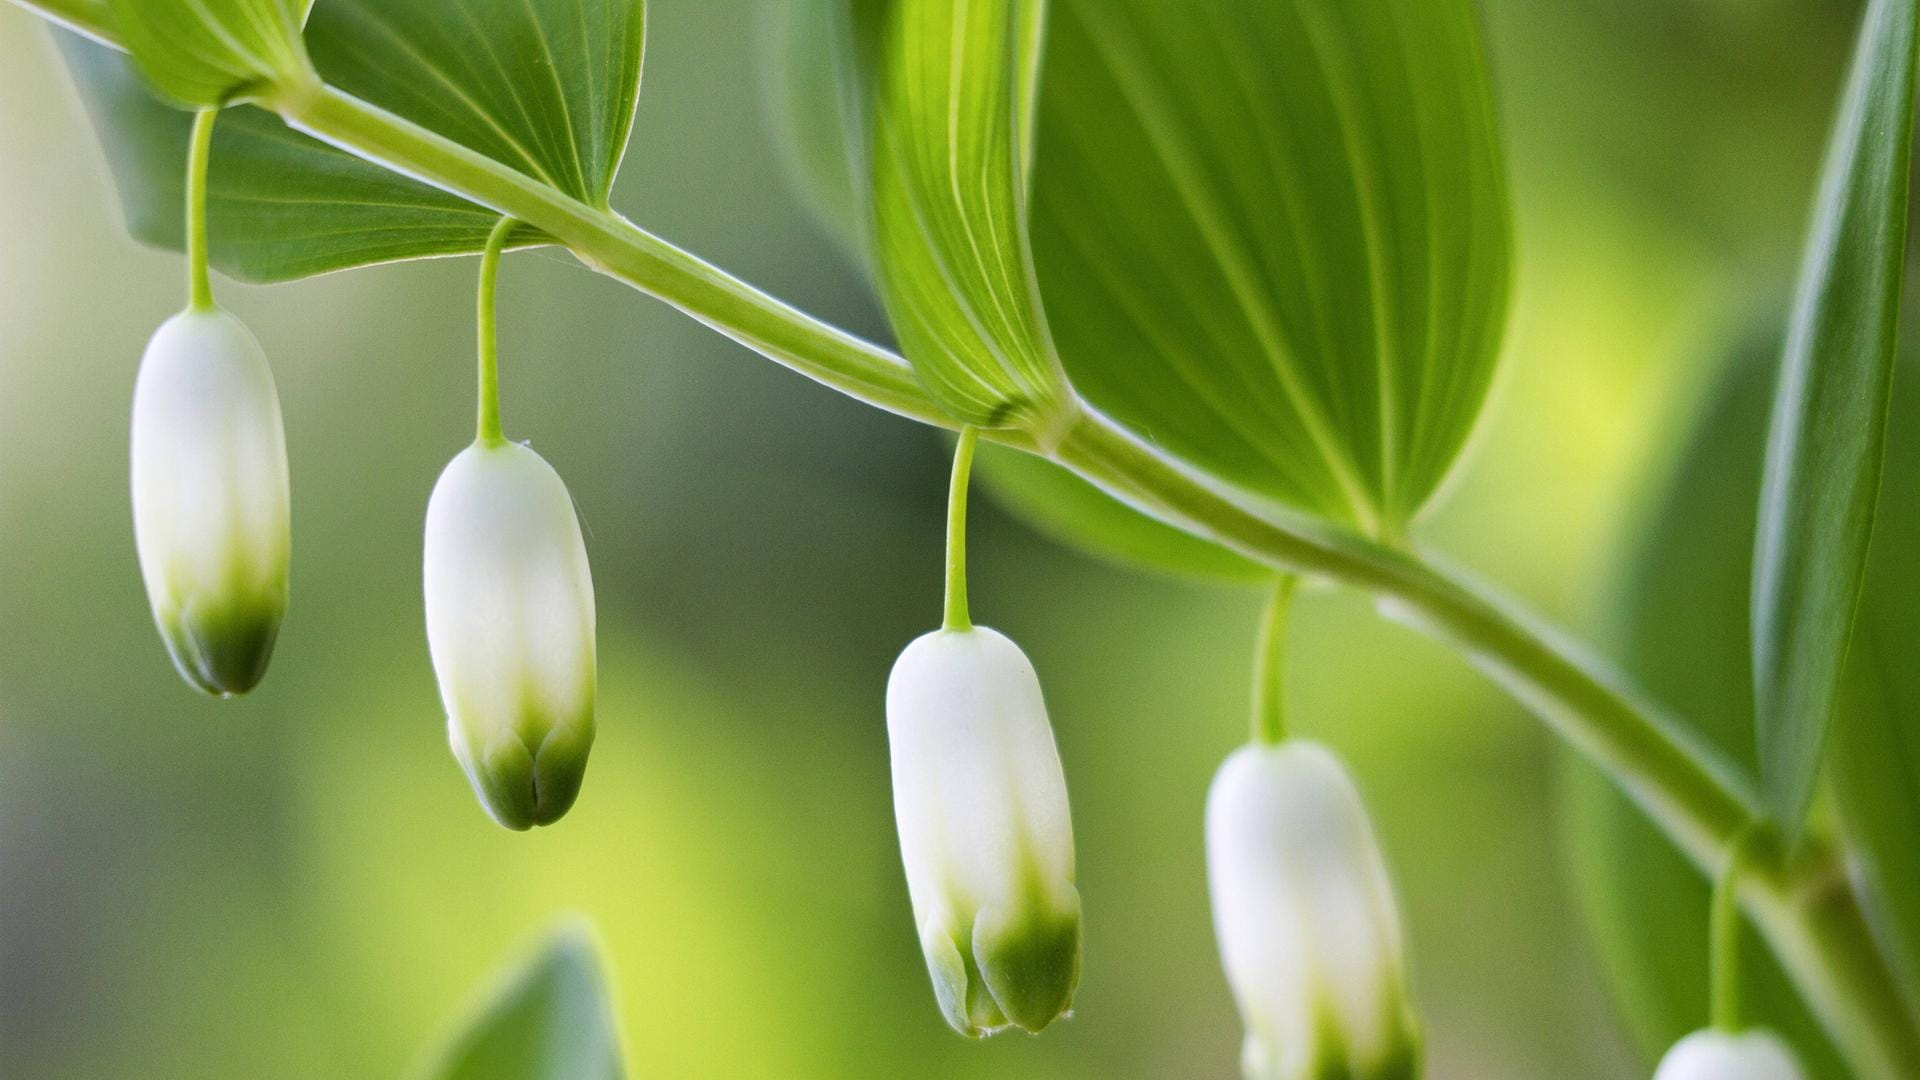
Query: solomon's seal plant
{"points": [[981, 804], [1225, 281]]}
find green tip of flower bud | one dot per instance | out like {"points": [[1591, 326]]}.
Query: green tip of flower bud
{"points": [[222, 650], [522, 783], [1017, 970]]}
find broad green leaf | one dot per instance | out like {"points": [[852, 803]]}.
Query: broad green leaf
{"points": [[1684, 641], [1827, 441], [1073, 511], [547, 88], [280, 205], [815, 106], [548, 1020], [1273, 237], [201, 53], [946, 86]]}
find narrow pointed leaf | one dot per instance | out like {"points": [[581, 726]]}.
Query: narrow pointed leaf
{"points": [[201, 53], [947, 86], [1273, 237], [1827, 440], [549, 1019]]}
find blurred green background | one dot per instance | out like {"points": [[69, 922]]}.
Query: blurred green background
{"points": [[299, 885]]}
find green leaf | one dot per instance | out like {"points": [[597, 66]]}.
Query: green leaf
{"points": [[1827, 441], [1075, 512], [1875, 770], [280, 205], [1685, 596], [1273, 237], [545, 86], [808, 100], [548, 1020], [947, 86], [548, 88], [201, 53]]}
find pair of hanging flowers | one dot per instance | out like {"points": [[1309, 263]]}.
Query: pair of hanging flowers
{"points": [[1308, 930], [509, 596]]}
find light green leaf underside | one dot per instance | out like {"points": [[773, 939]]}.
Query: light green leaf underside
{"points": [[544, 86], [946, 124], [1073, 511], [1685, 609], [1273, 237], [280, 205], [201, 53], [1827, 441], [549, 1020]]}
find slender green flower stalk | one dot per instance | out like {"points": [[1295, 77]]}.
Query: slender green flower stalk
{"points": [[1729, 1050], [211, 505], [1719, 1055], [510, 613], [1308, 930], [981, 804]]}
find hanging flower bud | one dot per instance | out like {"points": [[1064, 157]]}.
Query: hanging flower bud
{"points": [[1720, 1055], [1305, 916], [985, 833], [510, 625], [211, 513]]}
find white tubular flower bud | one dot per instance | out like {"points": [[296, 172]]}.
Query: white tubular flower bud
{"points": [[211, 510], [1720, 1055], [1305, 916], [985, 832], [510, 624]]}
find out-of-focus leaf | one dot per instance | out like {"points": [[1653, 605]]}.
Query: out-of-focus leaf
{"points": [[1071, 510], [548, 1020], [1827, 441], [201, 53], [1686, 597], [1875, 769], [808, 100], [1273, 237], [945, 103], [544, 86], [280, 205]]}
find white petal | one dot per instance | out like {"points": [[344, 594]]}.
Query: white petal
{"points": [[209, 471], [979, 795], [510, 615], [1304, 913], [1718, 1055]]}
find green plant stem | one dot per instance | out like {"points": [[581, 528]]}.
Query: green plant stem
{"points": [[487, 425], [199, 152], [957, 615], [1803, 903], [1269, 724], [1723, 936]]}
